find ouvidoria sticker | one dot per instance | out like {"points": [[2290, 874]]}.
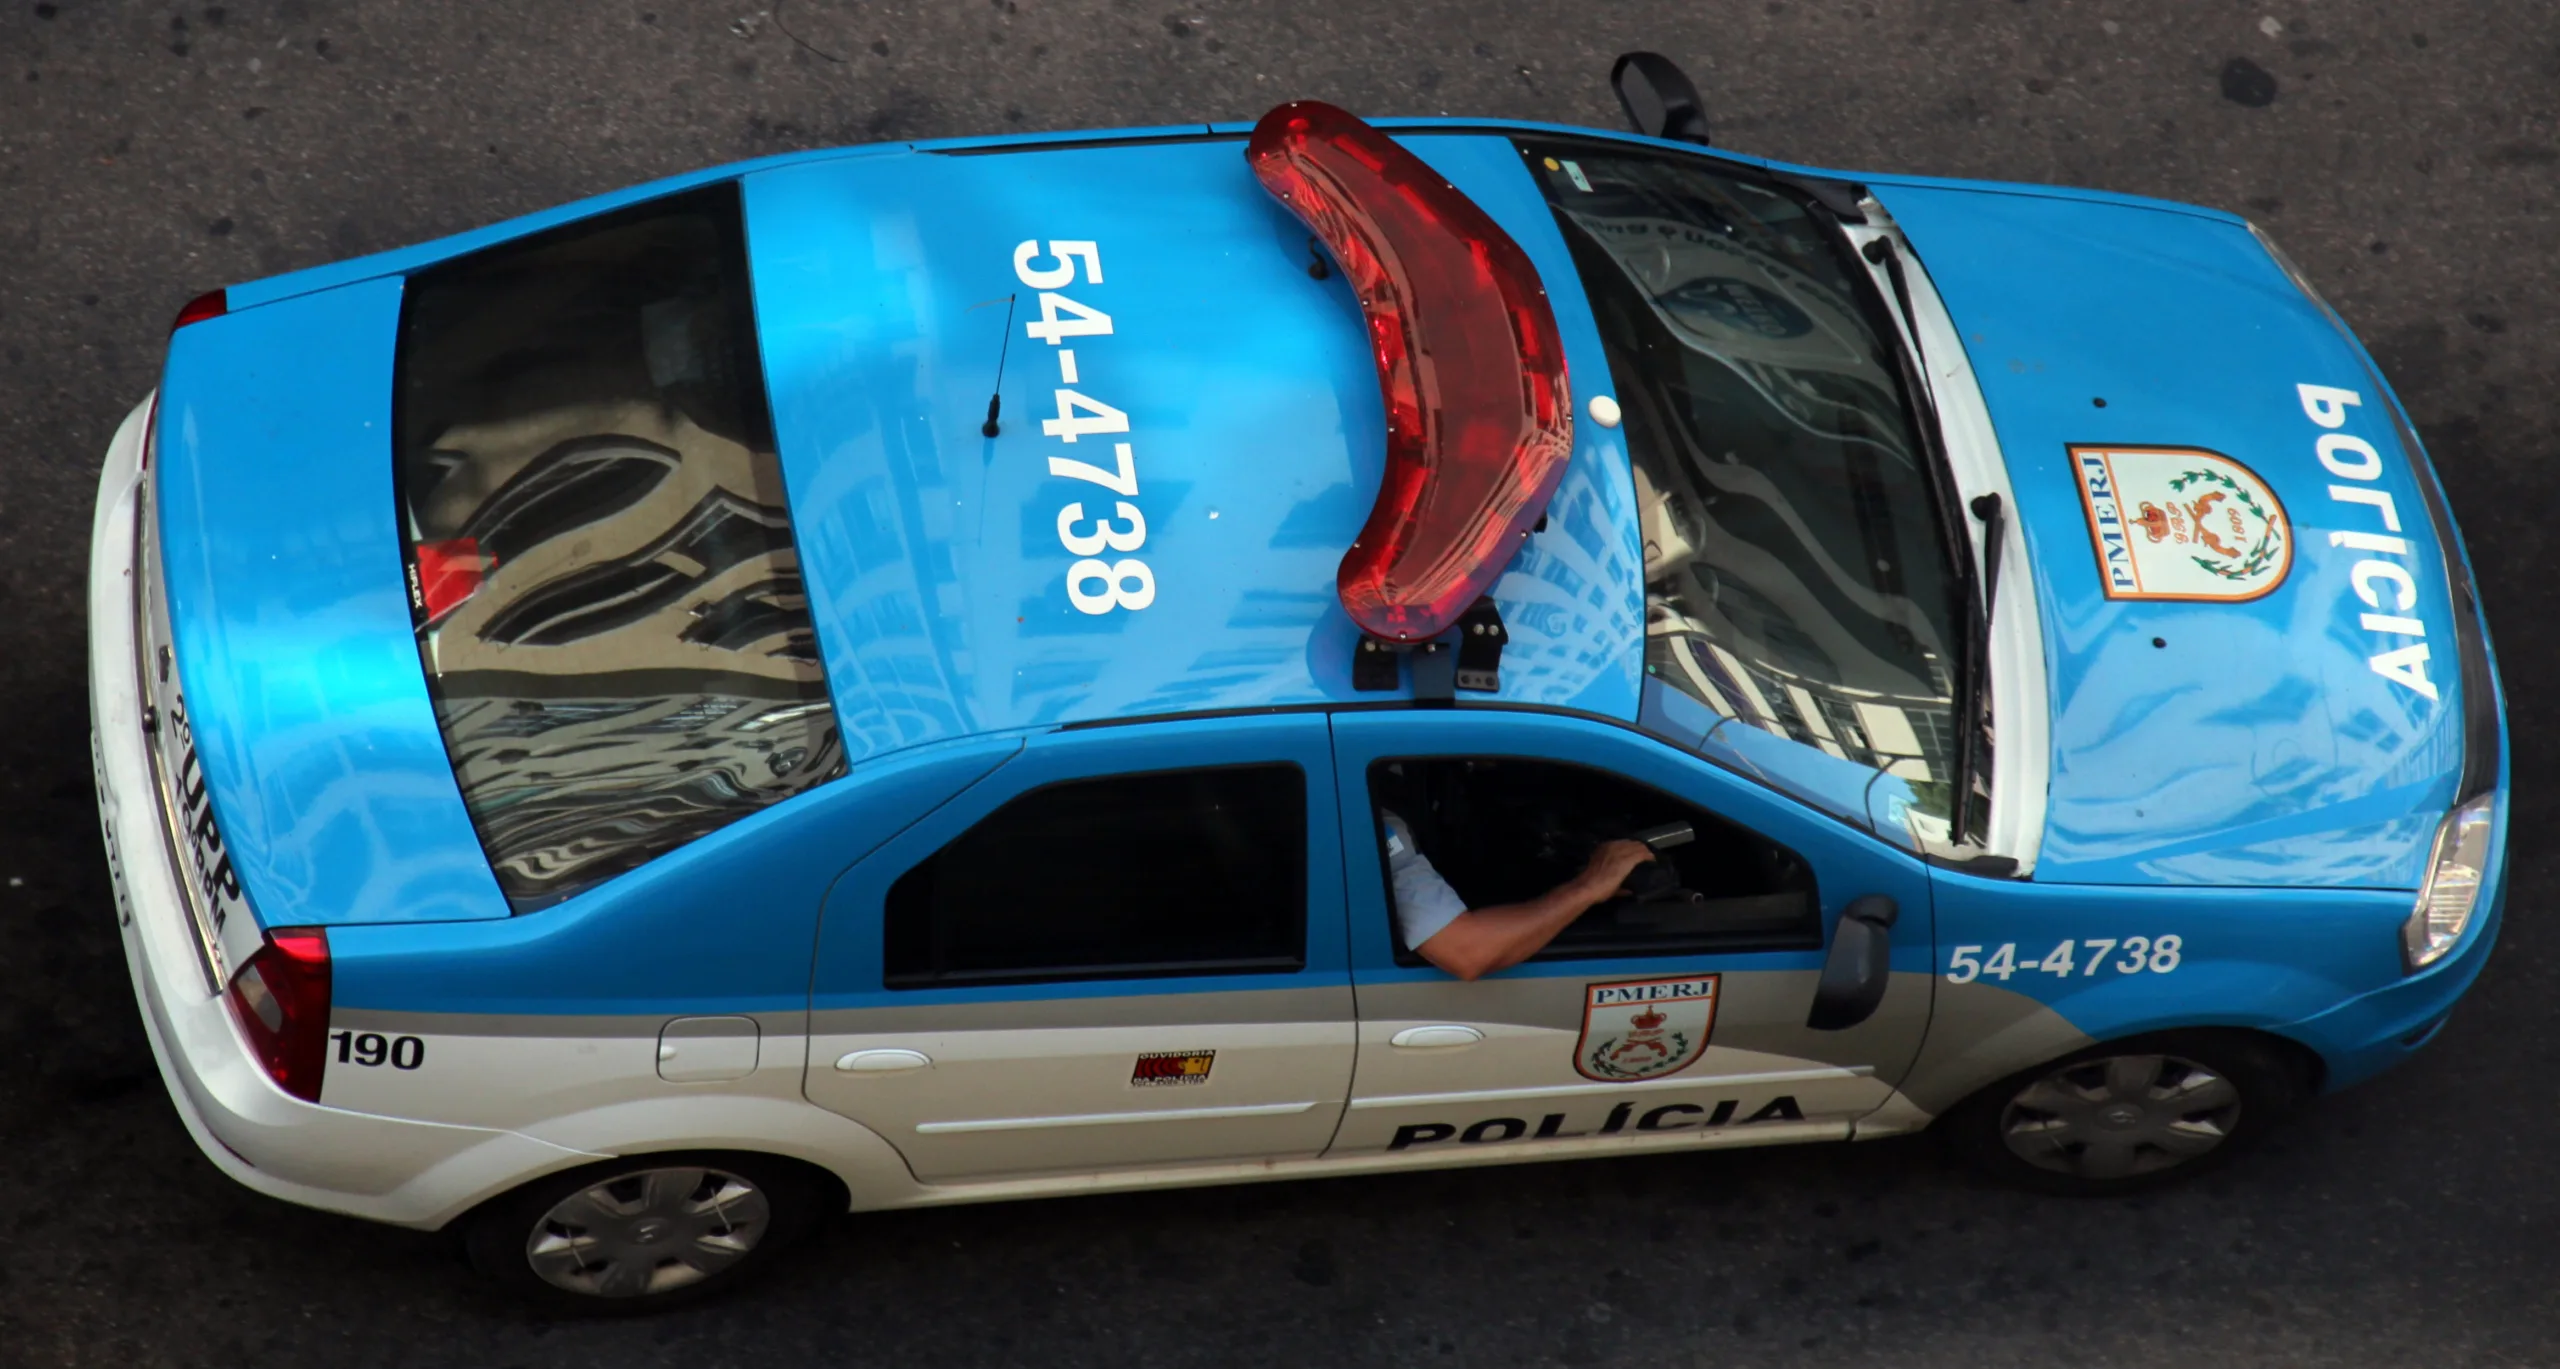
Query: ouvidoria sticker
{"points": [[2181, 523], [1160, 1069]]}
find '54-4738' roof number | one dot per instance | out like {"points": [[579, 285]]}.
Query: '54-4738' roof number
{"points": [[1093, 585]]}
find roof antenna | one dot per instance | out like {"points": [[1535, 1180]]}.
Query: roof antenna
{"points": [[995, 401]]}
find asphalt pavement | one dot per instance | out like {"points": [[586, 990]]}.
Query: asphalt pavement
{"points": [[2406, 153]]}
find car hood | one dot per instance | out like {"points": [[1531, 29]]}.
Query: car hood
{"points": [[2256, 688]]}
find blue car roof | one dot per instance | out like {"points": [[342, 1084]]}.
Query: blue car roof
{"points": [[933, 553]]}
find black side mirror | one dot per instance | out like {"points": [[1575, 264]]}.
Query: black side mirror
{"points": [[1660, 99], [1860, 966]]}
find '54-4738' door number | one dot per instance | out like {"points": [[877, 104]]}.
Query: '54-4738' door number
{"points": [[373, 1048], [2128, 955]]}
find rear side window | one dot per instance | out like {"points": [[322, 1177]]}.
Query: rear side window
{"points": [[601, 568], [1176, 872]]}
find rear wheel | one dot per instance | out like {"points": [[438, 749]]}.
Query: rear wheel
{"points": [[646, 1232], [2130, 1114]]}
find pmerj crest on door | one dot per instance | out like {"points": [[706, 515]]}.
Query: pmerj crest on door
{"points": [[1644, 1028]]}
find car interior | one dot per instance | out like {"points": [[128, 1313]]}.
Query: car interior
{"points": [[1504, 830]]}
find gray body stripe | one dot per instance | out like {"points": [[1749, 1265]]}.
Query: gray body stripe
{"points": [[1760, 1010], [1114, 1119], [1552, 1003], [593, 1027], [1980, 1032], [1681, 1081], [1325, 1003]]}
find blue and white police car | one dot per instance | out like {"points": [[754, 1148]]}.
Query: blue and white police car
{"points": [[871, 678]]}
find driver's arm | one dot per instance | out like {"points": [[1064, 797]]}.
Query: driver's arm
{"points": [[1481, 941]]}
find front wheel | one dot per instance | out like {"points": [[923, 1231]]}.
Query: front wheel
{"points": [[646, 1232], [2129, 1114]]}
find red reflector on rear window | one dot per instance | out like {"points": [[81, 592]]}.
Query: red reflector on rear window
{"points": [[448, 573], [210, 304], [1479, 411]]}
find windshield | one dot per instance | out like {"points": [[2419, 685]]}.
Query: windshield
{"points": [[600, 561], [1798, 576]]}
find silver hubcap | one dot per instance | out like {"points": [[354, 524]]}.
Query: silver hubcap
{"points": [[648, 1231], [2120, 1116]]}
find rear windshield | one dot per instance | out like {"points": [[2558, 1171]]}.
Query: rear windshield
{"points": [[601, 569], [1798, 577]]}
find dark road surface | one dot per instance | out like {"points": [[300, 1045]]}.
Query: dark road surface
{"points": [[2407, 153]]}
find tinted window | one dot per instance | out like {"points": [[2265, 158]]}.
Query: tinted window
{"points": [[1798, 575], [1178, 872], [1507, 831], [601, 569]]}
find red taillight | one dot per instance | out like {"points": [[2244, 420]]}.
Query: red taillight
{"points": [[210, 304], [1479, 412], [281, 997]]}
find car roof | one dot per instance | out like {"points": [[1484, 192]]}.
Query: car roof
{"points": [[932, 554]]}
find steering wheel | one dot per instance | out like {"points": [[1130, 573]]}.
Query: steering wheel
{"points": [[1657, 880]]}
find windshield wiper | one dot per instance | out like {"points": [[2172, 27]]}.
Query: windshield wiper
{"points": [[1880, 251], [1995, 518], [1974, 683]]}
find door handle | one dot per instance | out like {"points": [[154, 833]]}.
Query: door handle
{"points": [[1860, 966], [881, 1061], [1444, 1037]]}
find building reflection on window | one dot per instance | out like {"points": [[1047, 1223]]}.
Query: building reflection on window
{"points": [[601, 564], [1797, 575]]}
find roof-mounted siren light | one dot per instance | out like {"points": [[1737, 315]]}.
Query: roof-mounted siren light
{"points": [[1479, 410]]}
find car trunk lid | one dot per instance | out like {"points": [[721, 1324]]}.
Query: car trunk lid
{"points": [[308, 771]]}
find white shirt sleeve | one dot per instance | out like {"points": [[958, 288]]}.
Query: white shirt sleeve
{"points": [[1424, 902]]}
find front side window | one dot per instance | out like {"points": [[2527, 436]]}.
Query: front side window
{"points": [[601, 569], [1501, 830], [1173, 872], [1798, 572]]}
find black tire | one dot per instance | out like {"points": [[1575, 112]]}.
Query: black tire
{"points": [[783, 1200], [2160, 1131]]}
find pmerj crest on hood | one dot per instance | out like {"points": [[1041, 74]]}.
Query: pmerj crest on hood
{"points": [[2181, 523]]}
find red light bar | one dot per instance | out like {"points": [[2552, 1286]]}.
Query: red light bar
{"points": [[1479, 412], [210, 304]]}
